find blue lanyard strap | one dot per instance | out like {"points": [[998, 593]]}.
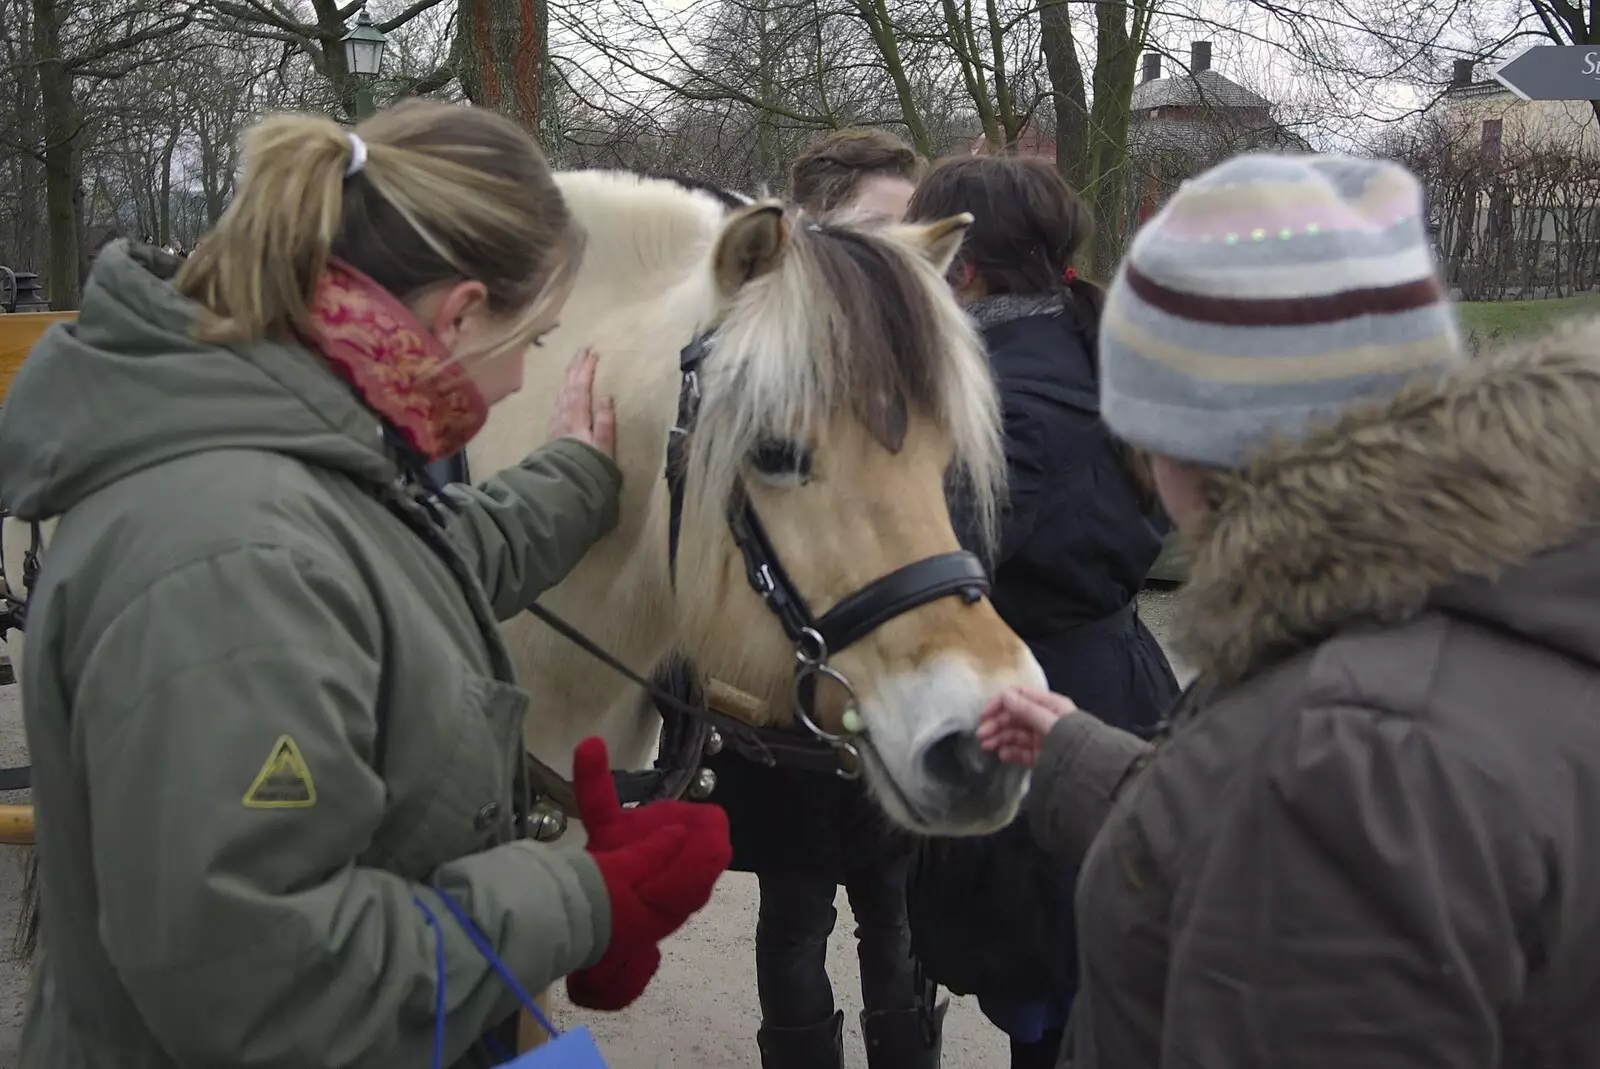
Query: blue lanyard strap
{"points": [[482, 943]]}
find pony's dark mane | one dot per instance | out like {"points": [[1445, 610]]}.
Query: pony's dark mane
{"points": [[696, 185]]}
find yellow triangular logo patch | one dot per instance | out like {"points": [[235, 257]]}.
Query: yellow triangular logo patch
{"points": [[284, 782]]}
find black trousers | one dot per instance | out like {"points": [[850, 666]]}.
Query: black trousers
{"points": [[797, 916]]}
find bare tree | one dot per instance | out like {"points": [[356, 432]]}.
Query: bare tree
{"points": [[75, 45], [318, 38]]}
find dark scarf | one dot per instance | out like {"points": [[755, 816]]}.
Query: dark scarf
{"points": [[1005, 307]]}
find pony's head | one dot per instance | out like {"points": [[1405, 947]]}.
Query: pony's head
{"points": [[843, 390]]}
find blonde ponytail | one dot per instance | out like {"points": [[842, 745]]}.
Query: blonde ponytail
{"points": [[447, 192], [256, 270]]}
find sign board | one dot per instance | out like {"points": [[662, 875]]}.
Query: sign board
{"points": [[1553, 72]]}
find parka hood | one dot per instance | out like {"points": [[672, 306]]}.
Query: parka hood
{"points": [[1477, 492], [128, 386]]}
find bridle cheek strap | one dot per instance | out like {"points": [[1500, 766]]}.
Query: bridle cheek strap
{"points": [[957, 574]]}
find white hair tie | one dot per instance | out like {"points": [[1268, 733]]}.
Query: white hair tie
{"points": [[358, 154]]}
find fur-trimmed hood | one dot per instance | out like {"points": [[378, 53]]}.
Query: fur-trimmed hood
{"points": [[1477, 493]]}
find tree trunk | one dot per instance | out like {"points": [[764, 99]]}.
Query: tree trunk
{"points": [[1067, 91], [60, 157], [500, 47], [28, 252], [164, 209], [875, 13], [769, 167], [964, 43], [1117, 56]]}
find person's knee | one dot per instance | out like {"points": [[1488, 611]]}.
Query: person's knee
{"points": [[878, 898], [795, 911]]}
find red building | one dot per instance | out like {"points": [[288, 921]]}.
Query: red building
{"points": [[1033, 142], [1190, 120]]}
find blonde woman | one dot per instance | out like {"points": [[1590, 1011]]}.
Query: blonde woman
{"points": [[268, 708]]}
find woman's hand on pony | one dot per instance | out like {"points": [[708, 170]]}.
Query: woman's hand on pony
{"points": [[579, 414], [1014, 723]]}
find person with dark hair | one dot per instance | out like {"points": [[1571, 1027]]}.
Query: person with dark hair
{"points": [[992, 916], [864, 170], [805, 833]]}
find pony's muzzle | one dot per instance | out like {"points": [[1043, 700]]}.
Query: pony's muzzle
{"points": [[956, 761], [963, 785]]}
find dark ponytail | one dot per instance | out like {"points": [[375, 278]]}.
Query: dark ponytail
{"points": [[1086, 302]]}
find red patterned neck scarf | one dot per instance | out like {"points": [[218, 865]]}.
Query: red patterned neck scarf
{"points": [[400, 370]]}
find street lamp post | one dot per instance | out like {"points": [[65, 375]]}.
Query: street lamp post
{"points": [[363, 58]]}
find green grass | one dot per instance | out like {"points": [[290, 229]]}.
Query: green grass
{"points": [[1509, 319]]}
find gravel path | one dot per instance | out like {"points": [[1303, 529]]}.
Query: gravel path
{"points": [[701, 1010]]}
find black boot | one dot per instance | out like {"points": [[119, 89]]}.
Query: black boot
{"points": [[904, 1039], [819, 1046]]}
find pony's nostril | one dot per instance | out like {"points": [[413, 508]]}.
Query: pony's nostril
{"points": [[958, 758]]}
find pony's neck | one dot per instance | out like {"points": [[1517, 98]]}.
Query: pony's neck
{"points": [[619, 597], [642, 292]]}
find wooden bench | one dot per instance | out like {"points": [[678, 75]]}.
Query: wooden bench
{"points": [[18, 333]]}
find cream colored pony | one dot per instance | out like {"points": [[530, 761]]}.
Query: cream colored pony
{"points": [[844, 346], [840, 347]]}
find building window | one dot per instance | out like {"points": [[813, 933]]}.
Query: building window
{"points": [[1489, 145]]}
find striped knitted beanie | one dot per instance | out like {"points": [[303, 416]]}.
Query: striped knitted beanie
{"points": [[1266, 295]]}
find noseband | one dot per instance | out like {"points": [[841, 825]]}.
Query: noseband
{"points": [[814, 639]]}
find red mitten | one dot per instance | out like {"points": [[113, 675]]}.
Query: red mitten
{"points": [[605, 822], [659, 862], [613, 983]]}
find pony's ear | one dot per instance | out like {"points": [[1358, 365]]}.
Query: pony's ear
{"points": [[938, 241], [751, 244]]}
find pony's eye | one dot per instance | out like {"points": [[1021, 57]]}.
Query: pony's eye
{"points": [[778, 457]]}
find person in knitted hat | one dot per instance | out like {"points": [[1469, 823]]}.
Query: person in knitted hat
{"points": [[1364, 838]]}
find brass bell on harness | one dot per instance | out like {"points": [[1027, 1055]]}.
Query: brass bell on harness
{"points": [[713, 743], [704, 782], [546, 823]]}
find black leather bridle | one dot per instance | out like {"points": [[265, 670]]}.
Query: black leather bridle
{"points": [[815, 639]]}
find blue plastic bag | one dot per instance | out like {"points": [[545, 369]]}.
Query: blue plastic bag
{"points": [[568, 1050], [564, 1050]]}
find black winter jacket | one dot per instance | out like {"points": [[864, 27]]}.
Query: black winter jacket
{"points": [[993, 916]]}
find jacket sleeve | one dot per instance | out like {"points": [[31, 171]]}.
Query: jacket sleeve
{"points": [[1354, 907], [526, 527], [252, 935], [1081, 765]]}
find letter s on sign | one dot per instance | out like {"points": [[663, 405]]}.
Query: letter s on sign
{"points": [[1589, 64]]}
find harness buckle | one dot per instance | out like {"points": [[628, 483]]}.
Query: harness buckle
{"points": [[765, 584]]}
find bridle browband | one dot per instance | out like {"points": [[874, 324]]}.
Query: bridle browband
{"points": [[814, 639]]}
